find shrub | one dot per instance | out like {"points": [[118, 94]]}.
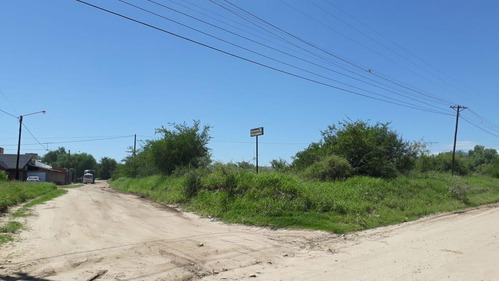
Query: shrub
{"points": [[459, 192], [279, 165], [3, 176], [180, 147], [222, 177], [332, 167], [192, 183], [371, 150]]}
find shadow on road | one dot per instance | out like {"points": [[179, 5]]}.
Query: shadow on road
{"points": [[21, 276]]}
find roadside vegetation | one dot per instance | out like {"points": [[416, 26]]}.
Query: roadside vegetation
{"points": [[357, 176], [13, 193], [77, 163], [280, 200]]}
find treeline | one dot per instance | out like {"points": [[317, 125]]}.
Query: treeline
{"points": [[348, 149], [79, 162]]}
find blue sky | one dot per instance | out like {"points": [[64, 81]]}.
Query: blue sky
{"points": [[100, 76]]}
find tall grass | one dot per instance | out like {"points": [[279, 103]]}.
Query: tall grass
{"points": [[281, 200], [13, 193], [161, 189]]}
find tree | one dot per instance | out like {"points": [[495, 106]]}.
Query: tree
{"points": [[56, 157], [184, 146], [79, 161], [371, 150], [246, 165], [279, 165], [106, 168], [313, 153], [481, 156]]}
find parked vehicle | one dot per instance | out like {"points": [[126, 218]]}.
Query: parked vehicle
{"points": [[90, 172], [88, 178], [33, 179]]}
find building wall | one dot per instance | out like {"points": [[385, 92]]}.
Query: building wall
{"points": [[40, 174], [57, 177]]}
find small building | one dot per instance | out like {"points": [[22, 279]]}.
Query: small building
{"points": [[29, 165]]}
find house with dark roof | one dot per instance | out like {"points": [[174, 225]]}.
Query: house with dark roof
{"points": [[29, 165]]}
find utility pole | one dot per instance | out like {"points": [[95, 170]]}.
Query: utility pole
{"points": [[135, 141], [458, 108], [69, 166], [19, 146], [19, 140]]}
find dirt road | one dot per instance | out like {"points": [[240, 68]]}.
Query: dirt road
{"points": [[95, 233]]}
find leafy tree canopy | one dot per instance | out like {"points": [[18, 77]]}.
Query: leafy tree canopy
{"points": [[371, 150], [179, 146], [106, 168]]}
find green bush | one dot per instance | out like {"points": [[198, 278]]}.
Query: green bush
{"points": [[332, 167], [184, 146], [3, 176], [371, 150], [192, 184]]}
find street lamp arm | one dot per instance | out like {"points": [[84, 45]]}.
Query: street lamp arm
{"points": [[43, 111]]}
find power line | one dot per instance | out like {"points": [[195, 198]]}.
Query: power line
{"points": [[260, 54], [393, 43], [362, 68], [8, 101], [261, 64], [274, 49], [478, 126], [24, 125], [483, 120], [348, 37], [12, 115], [74, 141], [336, 56]]}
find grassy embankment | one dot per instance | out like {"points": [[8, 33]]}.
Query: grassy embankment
{"points": [[15, 193], [278, 200]]}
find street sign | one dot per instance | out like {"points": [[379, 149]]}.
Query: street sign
{"points": [[257, 132]]}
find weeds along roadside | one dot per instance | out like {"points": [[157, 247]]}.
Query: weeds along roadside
{"points": [[16, 193], [280, 200]]}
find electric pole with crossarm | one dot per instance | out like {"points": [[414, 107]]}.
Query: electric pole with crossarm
{"points": [[458, 108]]}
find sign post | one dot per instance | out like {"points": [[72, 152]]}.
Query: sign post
{"points": [[256, 132]]}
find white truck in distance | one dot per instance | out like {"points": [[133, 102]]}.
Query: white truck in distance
{"points": [[88, 178]]}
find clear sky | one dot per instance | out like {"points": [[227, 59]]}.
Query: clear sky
{"points": [[102, 78]]}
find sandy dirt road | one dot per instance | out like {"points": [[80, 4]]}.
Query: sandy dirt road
{"points": [[95, 233]]}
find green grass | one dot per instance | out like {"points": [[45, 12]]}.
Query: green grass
{"points": [[13, 193], [279, 200], [4, 238], [11, 227], [24, 210]]}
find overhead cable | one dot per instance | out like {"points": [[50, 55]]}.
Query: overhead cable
{"points": [[259, 63], [270, 58]]}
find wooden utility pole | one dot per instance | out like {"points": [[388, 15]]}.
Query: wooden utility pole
{"points": [[135, 142], [458, 108]]}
